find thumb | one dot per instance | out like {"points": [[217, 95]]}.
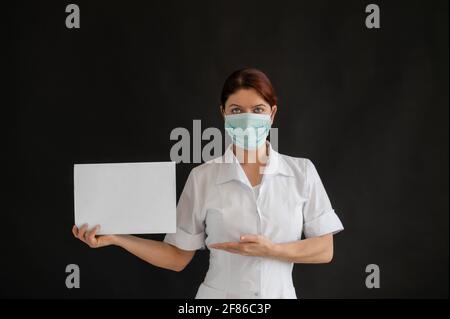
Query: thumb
{"points": [[249, 238]]}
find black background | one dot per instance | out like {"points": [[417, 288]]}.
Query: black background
{"points": [[369, 107]]}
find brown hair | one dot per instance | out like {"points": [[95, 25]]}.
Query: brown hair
{"points": [[249, 78]]}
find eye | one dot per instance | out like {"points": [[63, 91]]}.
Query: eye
{"points": [[235, 110], [258, 110]]}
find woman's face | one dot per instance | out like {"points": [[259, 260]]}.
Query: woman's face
{"points": [[247, 101]]}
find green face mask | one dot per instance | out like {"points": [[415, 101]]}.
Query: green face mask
{"points": [[248, 130]]}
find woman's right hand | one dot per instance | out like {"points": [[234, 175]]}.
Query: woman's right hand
{"points": [[89, 237], [157, 253]]}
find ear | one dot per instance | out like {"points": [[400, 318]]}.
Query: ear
{"points": [[222, 110], [274, 111]]}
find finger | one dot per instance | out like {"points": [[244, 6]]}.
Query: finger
{"points": [[236, 251], [227, 249], [90, 236], [232, 245], [219, 246], [82, 231], [245, 248], [250, 238], [235, 248], [75, 230]]}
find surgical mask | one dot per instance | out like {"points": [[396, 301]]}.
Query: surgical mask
{"points": [[248, 130]]}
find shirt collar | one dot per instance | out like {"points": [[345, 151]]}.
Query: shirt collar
{"points": [[231, 169]]}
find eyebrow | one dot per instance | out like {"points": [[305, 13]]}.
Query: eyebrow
{"points": [[241, 106]]}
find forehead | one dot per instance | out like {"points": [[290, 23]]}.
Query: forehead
{"points": [[245, 97]]}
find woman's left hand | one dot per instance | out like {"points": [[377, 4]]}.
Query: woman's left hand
{"points": [[249, 245]]}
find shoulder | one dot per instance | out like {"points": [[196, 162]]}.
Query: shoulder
{"points": [[303, 169], [206, 171], [299, 165]]}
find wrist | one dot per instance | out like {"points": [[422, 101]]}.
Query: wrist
{"points": [[116, 240], [274, 250]]}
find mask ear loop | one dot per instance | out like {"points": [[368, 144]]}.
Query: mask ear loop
{"points": [[271, 115], [268, 135]]}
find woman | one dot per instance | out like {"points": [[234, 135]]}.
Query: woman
{"points": [[249, 207]]}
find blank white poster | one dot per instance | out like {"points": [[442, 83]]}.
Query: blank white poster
{"points": [[126, 198]]}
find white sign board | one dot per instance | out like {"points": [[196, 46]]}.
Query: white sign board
{"points": [[126, 198]]}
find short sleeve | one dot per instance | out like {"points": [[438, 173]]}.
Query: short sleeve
{"points": [[190, 233], [319, 217]]}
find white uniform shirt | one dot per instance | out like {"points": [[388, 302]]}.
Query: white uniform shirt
{"points": [[256, 190], [218, 204]]}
